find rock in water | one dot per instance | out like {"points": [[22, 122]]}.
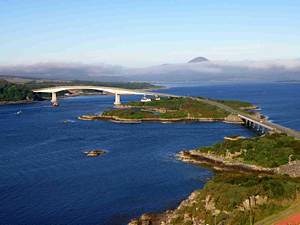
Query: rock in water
{"points": [[95, 153]]}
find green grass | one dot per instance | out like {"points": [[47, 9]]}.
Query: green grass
{"points": [[170, 108], [235, 104], [229, 191], [268, 151], [129, 113]]}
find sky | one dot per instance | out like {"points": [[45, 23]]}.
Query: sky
{"points": [[139, 33]]}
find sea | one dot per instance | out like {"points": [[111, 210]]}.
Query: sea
{"points": [[46, 178]]}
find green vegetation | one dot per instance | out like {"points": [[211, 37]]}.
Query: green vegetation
{"points": [[169, 108], [14, 92], [35, 84], [267, 151], [238, 105], [133, 113], [238, 199], [10, 91]]}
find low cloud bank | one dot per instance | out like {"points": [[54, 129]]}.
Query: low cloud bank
{"points": [[257, 71]]}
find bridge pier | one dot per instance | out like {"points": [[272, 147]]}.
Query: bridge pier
{"points": [[54, 99], [117, 99], [257, 127]]}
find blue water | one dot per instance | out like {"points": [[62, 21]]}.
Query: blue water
{"points": [[46, 179]]}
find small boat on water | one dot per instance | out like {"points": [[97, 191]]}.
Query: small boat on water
{"points": [[166, 122], [19, 112], [145, 99], [69, 121]]}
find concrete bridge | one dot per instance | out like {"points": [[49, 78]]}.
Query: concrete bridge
{"points": [[263, 125], [260, 125], [112, 90]]}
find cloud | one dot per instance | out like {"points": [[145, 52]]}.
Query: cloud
{"points": [[268, 70]]}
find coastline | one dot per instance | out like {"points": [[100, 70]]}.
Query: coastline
{"points": [[17, 102], [217, 164], [229, 119], [220, 164]]}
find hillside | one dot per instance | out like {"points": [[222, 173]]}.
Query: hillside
{"points": [[198, 60]]}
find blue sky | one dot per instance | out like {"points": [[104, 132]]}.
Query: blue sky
{"points": [[143, 32]]}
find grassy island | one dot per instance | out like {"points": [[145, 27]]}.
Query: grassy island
{"points": [[183, 108], [172, 109]]}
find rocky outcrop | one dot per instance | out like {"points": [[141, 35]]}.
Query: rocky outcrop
{"points": [[232, 118], [95, 153], [292, 169], [228, 119], [167, 217], [221, 163]]}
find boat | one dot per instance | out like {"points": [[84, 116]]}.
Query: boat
{"points": [[54, 104], [19, 112], [145, 99], [69, 121]]}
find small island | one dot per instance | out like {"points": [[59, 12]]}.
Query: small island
{"points": [[173, 109]]}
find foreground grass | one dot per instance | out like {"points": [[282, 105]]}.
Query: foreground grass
{"points": [[271, 220], [267, 151], [238, 199]]}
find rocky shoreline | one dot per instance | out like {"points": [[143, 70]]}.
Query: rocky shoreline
{"points": [[216, 163], [166, 217], [219, 163], [197, 158], [228, 119]]}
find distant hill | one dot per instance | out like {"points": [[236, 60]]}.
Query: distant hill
{"points": [[198, 60]]}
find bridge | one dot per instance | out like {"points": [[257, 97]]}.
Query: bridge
{"points": [[259, 124], [262, 125], [112, 90]]}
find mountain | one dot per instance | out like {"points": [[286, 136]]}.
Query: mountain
{"points": [[198, 60]]}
